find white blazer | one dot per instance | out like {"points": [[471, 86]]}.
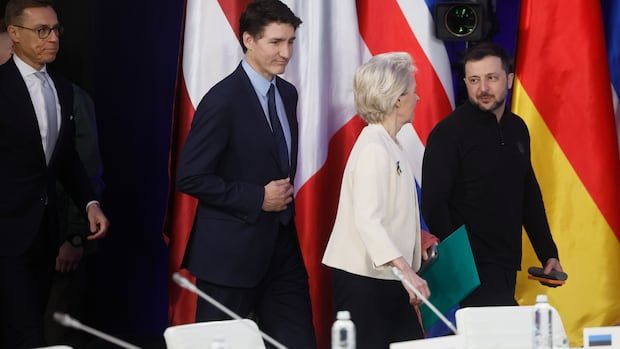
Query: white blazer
{"points": [[378, 216]]}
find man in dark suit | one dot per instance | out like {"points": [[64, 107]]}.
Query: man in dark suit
{"points": [[239, 161], [36, 148], [68, 293]]}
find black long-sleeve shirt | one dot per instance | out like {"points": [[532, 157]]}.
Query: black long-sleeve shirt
{"points": [[477, 172]]}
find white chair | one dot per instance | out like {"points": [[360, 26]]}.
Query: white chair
{"points": [[502, 327], [237, 334], [489, 328]]}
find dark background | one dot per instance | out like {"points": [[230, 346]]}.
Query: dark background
{"points": [[124, 53]]}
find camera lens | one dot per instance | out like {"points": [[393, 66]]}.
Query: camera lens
{"points": [[461, 20]]}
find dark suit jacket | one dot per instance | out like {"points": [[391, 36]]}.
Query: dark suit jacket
{"points": [[71, 219], [27, 183], [229, 156]]}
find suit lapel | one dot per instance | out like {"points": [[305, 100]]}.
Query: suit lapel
{"points": [[17, 93], [258, 112]]}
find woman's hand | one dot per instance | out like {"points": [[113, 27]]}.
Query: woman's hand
{"points": [[428, 241], [413, 278]]}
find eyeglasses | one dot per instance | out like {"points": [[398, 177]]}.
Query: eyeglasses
{"points": [[44, 31]]}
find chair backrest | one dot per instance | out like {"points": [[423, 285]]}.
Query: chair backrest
{"points": [[237, 334], [502, 327]]}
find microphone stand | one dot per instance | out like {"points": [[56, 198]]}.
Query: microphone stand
{"points": [[68, 321], [408, 284], [186, 284]]}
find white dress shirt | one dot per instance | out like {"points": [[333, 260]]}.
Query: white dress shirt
{"points": [[34, 86]]}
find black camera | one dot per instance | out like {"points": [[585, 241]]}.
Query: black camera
{"points": [[471, 20]]}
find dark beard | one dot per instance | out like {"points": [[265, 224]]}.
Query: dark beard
{"points": [[492, 109]]}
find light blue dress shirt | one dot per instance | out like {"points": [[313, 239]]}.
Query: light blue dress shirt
{"points": [[261, 87]]}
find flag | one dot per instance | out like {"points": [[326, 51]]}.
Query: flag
{"points": [[611, 18], [334, 39], [562, 92]]}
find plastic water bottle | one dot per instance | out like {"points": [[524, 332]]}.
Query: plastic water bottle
{"points": [[343, 331], [218, 343], [543, 323]]}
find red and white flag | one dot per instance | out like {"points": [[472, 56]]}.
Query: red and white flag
{"points": [[334, 39]]}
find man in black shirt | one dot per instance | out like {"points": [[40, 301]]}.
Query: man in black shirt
{"points": [[477, 172]]}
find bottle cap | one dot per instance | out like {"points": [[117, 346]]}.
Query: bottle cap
{"points": [[541, 298], [343, 315]]}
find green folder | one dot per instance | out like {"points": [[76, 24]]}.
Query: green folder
{"points": [[452, 277]]}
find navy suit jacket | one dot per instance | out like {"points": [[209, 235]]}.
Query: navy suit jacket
{"points": [[27, 183], [229, 156]]}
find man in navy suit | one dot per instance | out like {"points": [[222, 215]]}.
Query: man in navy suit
{"points": [[37, 147], [239, 161]]}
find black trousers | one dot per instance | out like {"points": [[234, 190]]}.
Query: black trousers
{"points": [[67, 295], [497, 287], [280, 303], [24, 288], [379, 309]]}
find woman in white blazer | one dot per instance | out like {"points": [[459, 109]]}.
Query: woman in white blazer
{"points": [[377, 224]]}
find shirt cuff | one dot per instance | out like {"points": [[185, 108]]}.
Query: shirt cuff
{"points": [[90, 203]]}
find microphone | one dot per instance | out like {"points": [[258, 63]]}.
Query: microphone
{"points": [[186, 284], [408, 284], [67, 321]]}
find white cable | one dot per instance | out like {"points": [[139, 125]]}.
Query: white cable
{"points": [[183, 282], [67, 321], [408, 284]]}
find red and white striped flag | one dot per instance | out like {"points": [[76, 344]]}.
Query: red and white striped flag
{"points": [[334, 39]]}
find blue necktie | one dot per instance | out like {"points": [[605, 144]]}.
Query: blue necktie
{"points": [[52, 116], [278, 134]]}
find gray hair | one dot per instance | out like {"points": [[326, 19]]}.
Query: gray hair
{"points": [[379, 83]]}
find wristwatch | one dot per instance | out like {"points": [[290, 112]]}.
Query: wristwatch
{"points": [[76, 240]]}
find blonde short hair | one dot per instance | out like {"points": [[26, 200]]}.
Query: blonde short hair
{"points": [[379, 83]]}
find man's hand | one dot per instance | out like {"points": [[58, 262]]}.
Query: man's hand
{"points": [[552, 264], [278, 194], [99, 224], [68, 257]]}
